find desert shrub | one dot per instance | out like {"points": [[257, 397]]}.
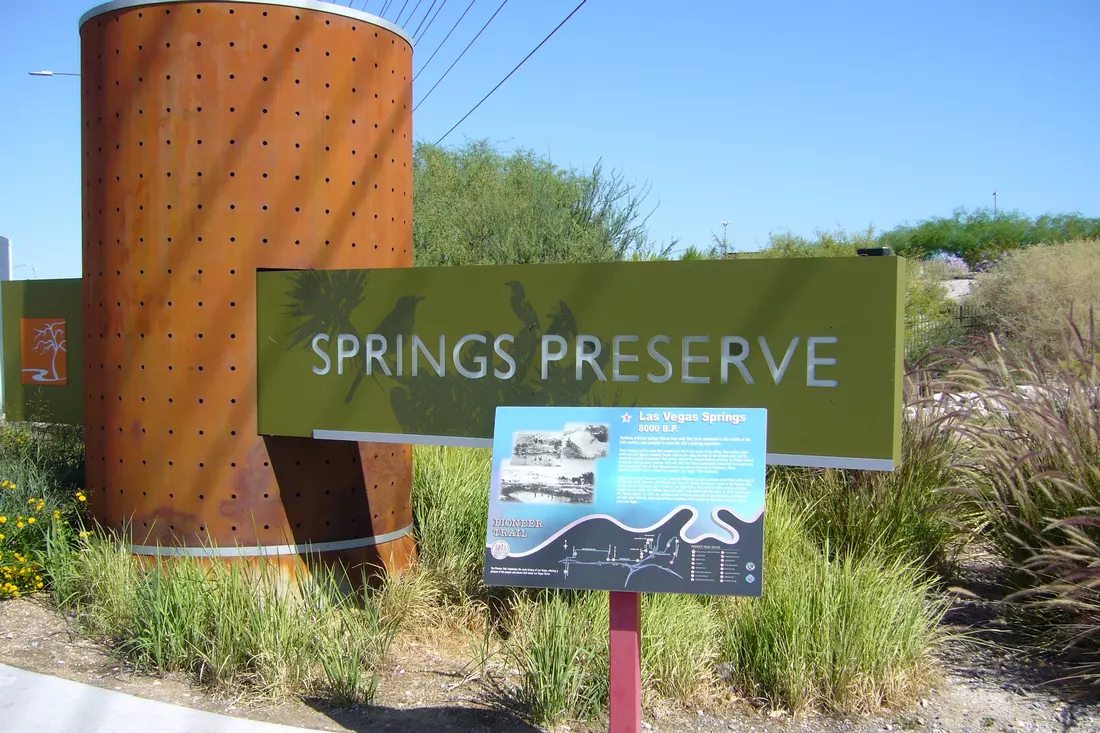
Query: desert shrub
{"points": [[38, 499], [1028, 293], [845, 634], [475, 205], [929, 313], [1034, 427]]}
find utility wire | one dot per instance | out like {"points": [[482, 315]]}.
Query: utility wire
{"points": [[426, 14], [418, 33], [401, 12], [448, 71], [415, 8], [521, 63], [444, 38]]}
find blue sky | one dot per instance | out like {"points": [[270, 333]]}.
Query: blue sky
{"points": [[775, 116]]}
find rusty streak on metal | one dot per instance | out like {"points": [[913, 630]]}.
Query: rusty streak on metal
{"points": [[219, 138]]}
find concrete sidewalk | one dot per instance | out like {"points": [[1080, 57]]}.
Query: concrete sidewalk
{"points": [[36, 703]]}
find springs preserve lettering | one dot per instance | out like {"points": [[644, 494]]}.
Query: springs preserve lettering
{"points": [[628, 358], [428, 354]]}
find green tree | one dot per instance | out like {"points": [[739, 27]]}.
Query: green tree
{"points": [[475, 206], [978, 236]]}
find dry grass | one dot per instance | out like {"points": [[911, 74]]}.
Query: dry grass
{"points": [[1034, 427], [1029, 292]]}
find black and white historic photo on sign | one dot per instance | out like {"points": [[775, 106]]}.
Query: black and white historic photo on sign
{"points": [[536, 448], [573, 482], [585, 441]]}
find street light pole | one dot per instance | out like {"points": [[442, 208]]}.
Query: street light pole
{"points": [[994, 206]]}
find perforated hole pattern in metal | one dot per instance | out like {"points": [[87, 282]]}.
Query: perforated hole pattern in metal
{"points": [[219, 138]]}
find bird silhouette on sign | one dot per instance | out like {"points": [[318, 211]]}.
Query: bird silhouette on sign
{"points": [[528, 337], [399, 321]]}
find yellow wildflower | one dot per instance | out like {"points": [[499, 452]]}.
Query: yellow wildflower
{"points": [[30, 520], [31, 501], [80, 496], [1, 536], [57, 514], [3, 519], [19, 525], [39, 585], [4, 484]]}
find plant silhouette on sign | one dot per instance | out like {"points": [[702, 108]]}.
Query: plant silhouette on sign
{"points": [[324, 302]]}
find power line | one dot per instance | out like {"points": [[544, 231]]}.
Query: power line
{"points": [[415, 8], [415, 38], [448, 71], [401, 12], [444, 38], [521, 63]]}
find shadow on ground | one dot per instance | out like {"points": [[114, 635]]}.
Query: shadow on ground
{"points": [[444, 719], [1001, 644]]}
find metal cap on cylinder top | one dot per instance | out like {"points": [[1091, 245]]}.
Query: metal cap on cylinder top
{"points": [[221, 138]]}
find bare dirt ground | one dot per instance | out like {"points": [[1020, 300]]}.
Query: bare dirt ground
{"points": [[430, 686]]}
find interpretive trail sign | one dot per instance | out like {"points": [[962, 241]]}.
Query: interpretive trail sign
{"points": [[628, 499], [426, 355]]}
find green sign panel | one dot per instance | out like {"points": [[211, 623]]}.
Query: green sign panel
{"points": [[426, 355], [43, 366]]}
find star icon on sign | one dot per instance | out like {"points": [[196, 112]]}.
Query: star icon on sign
{"points": [[626, 417]]}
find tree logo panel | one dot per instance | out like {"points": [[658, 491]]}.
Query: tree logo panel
{"points": [[43, 351]]}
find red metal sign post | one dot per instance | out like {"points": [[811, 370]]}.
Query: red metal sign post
{"points": [[626, 662]]}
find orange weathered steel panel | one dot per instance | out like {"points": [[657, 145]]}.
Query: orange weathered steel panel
{"points": [[220, 138]]}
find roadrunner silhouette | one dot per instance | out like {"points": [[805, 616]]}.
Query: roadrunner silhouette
{"points": [[399, 321]]}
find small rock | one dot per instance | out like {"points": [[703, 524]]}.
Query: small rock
{"points": [[34, 643], [10, 635], [60, 662], [156, 682]]}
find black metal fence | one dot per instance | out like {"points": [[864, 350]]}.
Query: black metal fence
{"points": [[924, 333]]}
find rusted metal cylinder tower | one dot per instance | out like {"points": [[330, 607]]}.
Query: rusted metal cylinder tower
{"points": [[220, 138]]}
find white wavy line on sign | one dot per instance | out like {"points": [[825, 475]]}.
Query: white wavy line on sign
{"points": [[613, 520]]}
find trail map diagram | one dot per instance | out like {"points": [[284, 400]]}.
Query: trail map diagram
{"points": [[650, 555]]}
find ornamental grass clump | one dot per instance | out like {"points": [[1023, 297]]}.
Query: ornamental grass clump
{"points": [[451, 504], [833, 631], [903, 515], [1033, 424], [230, 627]]}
